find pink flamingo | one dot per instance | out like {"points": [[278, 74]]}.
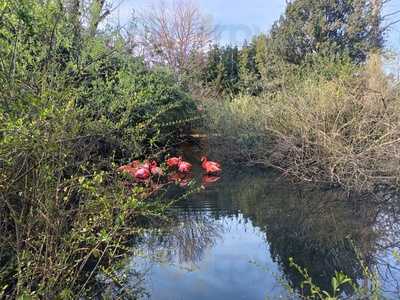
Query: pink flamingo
{"points": [[127, 169], [137, 170], [142, 173], [184, 166], [173, 162], [210, 167], [155, 169]]}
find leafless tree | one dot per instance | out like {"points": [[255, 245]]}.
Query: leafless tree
{"points": [[174, 34]]}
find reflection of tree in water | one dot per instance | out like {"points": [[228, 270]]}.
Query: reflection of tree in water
{"points": [[315, 226], [192, 237], [314, 231], [186, 240]]}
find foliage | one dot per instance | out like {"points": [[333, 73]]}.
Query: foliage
{"points": [[349, 27], [315, 292], [72, 106], [309, 29], [310, 290], [222, 69], [248, 70], [326, 125]]}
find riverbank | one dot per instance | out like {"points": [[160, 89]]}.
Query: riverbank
{"points": [[337, 125]]}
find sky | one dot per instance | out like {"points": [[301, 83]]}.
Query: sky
{"points": [[239, 20]]}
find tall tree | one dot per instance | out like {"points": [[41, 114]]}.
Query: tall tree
{"points": [[86, 15], [350, 27], [175, 35], [248, 70], [222, 69]]}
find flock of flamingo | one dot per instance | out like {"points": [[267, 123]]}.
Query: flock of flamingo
{"points": [[179, 171]]}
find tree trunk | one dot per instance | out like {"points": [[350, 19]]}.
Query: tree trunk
{"points": [[98, 13]]}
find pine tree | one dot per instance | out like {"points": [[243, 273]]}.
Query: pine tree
{"points": [[222, 70], [248, 70], [330, 27]]}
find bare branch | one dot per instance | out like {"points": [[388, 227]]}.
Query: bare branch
{"points": [[175, 35], [391, 14]]}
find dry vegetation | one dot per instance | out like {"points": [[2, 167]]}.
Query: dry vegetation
{"points": [[341, 130]]}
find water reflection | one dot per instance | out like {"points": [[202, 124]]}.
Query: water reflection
{"points": [[234, 239], [188, 240]]}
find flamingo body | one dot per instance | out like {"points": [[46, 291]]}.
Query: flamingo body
{"points": [[210, 167], [155, 170], [142, 173], [124, 169], [135, 164], [127, 169], [184, 167], [145, 165], [173, 162]]}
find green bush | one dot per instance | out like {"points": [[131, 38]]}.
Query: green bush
{"points": [[72, 107]]}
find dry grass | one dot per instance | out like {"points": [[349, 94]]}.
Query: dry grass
{"points": [[343, 130]]}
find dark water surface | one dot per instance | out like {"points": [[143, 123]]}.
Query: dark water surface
{"points": [[234, 239]]}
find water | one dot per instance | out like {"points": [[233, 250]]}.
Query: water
{"points": [[234, 239]]}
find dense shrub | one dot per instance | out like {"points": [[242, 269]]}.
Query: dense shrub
{"points": [[339, 124], [71, 107]]}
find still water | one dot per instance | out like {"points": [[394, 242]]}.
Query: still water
{"points": [[233, 240]]}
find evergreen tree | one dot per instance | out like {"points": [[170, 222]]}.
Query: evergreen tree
{"points": [[248, 70], [213, 60], [230, 69], [261, 50], [222, 69], [330, 27]]}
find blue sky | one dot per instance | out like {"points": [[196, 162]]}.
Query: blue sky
{"points": [[393, 38], [238, 20]]}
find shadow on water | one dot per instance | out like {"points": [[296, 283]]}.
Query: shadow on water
{"points": [[234, 239]]}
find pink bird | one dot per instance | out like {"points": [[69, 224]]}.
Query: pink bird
{"points": [[173, 162], [142, 173], [137, 170], [131, 167], [184, 166], [155, 169], [145, 165], [135, 164], [210, 167], [127, 169], [124, 169]]}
